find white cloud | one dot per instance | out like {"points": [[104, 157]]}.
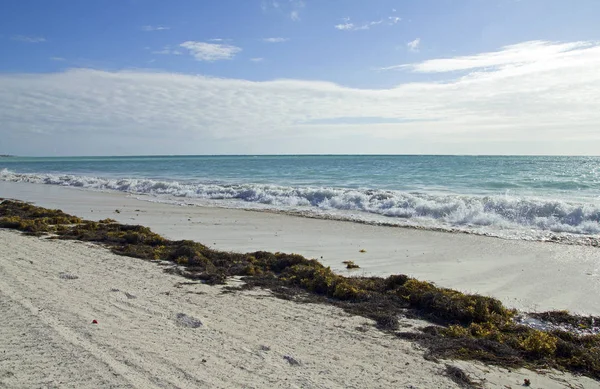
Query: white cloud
{"points": [[347, 25], [275, 40], [513, 55], [547, 104], [210, 52], [57, 59], [155, 28], [295, 15], [257, 59], [414, 45], [394, 19], [373, 23], [28, 39]]}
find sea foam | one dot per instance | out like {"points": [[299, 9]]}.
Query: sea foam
{"points": [[500, 215]]}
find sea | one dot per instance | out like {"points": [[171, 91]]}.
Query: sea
{"points": [[511, 197]]}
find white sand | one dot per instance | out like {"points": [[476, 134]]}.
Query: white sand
{"points": [[531, 276], [51, 290]]}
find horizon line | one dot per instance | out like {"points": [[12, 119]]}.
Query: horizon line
{"points": [[8, 156]]}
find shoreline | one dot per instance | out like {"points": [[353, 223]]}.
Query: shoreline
{"points": [[527, 216], [573, 240], [530, 276]]}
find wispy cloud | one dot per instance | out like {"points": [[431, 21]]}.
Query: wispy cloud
{"points": [[297, 6], [265, 5], [275, 40], [167, 50], [154, 28], [257, 59], [28, 39], [289, 8], [57, 59], [548, 96], [210, 52], [347, 25], [414, 45], [359, 120], [514, 55]]}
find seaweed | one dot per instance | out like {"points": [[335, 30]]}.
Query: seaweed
{"points": [[461, 378], [467, 326], [351, 265]]}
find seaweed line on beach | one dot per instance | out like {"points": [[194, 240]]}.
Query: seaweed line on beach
{"points": [[464, 326]]}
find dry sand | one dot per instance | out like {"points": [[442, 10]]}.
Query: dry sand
{"points": [[156, 330], [531, 276]]}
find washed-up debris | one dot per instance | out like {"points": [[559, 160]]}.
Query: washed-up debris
{"points": [[184, 320], [351, 265], [291, 360], [560, 321]]}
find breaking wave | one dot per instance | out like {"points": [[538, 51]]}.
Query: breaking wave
{"points": [[506, 216]]}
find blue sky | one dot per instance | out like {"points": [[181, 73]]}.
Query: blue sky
{"points": [[292, 76]]}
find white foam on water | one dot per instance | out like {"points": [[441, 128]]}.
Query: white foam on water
{"points": [[500, 215]]}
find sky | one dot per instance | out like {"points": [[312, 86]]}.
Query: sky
{"points": [[149, 77]]}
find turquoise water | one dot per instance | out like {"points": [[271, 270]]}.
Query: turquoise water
{"points": [[515, 197]]}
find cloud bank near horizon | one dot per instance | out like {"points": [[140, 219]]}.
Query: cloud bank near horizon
{"points": [[530, 92]]}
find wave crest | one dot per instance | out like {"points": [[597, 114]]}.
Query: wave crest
{"points": [[497, 213]]}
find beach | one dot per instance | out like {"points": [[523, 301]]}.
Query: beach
{"points": [[527, 275], [300, 194], [241, 340], [159, 330], [155, 330]]}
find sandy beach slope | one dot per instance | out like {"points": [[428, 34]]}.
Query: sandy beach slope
{"points": [[531, 276], [155, 330], [52, 290]]}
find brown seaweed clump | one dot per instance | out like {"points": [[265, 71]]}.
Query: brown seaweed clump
{"points": [[351, 265]]}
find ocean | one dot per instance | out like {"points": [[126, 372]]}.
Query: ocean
{"points": [[520, 197]]}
